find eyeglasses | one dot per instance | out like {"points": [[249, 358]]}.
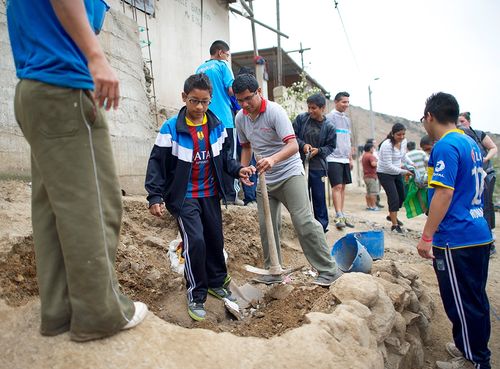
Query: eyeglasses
{"points": [[422, 120], [195, 102], [246, 99]]}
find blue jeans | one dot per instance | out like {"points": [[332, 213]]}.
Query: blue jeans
{"points": [[317, 187], [250, 192]]}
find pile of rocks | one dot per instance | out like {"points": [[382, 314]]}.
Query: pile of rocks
{"points": [[391, 312]]}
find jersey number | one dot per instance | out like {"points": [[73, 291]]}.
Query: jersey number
{"points": [[479, 175]]}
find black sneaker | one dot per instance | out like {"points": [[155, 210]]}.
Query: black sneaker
{"points": [[396, 229], [380, 205], [400, 223], [221, 293]]}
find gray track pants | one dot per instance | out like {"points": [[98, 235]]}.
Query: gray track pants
{"points": [[292, 192]]}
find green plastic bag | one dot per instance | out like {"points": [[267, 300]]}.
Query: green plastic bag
{"points": [[416, 199]]}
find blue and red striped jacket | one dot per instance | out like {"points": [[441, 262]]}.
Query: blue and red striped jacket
{"points": [[170, 162]]}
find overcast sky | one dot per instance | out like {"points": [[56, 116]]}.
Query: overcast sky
{"points": [[415, 48]]}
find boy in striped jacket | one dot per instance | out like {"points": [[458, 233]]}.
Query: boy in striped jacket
{"points": [[184, 176]]}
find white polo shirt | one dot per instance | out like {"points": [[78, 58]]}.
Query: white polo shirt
{"points": [[267, 135]]}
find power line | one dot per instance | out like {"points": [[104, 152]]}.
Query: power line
{"points": [[347, 36]]}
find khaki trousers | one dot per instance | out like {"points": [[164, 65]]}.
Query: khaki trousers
{"points": [[76, 211], [292, 192]]}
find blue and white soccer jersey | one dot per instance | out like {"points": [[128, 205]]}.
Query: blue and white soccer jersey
{"points": [[463, 224]]}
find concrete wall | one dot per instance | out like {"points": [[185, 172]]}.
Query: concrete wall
{"points": [[14, 151], [132, 126], [180, 39], [180, 33]]}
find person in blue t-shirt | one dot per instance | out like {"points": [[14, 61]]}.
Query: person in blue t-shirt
{"points": [[456, 235], [76, 198], [184, 176], [218, 70]]}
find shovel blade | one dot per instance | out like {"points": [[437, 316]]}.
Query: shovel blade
{"points": [[260, 271], [233, 308]]}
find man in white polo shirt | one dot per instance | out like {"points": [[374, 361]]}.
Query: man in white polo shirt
{"points": [[264, 127]]}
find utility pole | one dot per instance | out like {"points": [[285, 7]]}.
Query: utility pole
{"points": [[254, 36], [279, 56], [372, 119]]}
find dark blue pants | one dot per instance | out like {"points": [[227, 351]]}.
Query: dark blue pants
{"points": [[462, 275], [200, 224], [317, 188], [251, 191]]}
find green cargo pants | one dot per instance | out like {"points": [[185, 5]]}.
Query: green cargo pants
{"points": [[76, 211], [292, 192]]}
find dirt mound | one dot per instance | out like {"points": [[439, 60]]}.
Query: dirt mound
{"points": [[18, 273], [144, 273]]}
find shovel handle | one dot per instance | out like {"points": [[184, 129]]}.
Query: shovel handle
{"points": [[273, 252]]}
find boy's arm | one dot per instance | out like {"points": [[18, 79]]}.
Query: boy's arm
{"points": [[155, 175], [73, 18], [490, 146], [438, 208]]}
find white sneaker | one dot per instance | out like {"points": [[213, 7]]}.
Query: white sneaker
{"points": [[237, 202], [141, 310], [453, 350], [455, 363]]}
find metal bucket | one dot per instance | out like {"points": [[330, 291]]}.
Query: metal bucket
{"points": [[351, 256]]}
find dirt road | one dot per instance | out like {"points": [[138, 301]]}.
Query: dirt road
{"points": [[274, 334]]}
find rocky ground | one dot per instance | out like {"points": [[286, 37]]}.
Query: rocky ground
{"points": [[393, 320]]}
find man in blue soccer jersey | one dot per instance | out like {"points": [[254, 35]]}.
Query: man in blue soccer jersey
{"points": [[456, 235], [185, 175]]}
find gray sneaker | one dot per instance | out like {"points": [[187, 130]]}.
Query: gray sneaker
{"points": [[227, 280], [493, 250], [268, 279], [196, 310], [348, 223], [453, 350], [221, 293], [339, 223], [327, 280]]}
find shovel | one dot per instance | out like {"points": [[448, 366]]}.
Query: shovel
{"points": [[306, 169], [275, 268], [233, 308]]}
